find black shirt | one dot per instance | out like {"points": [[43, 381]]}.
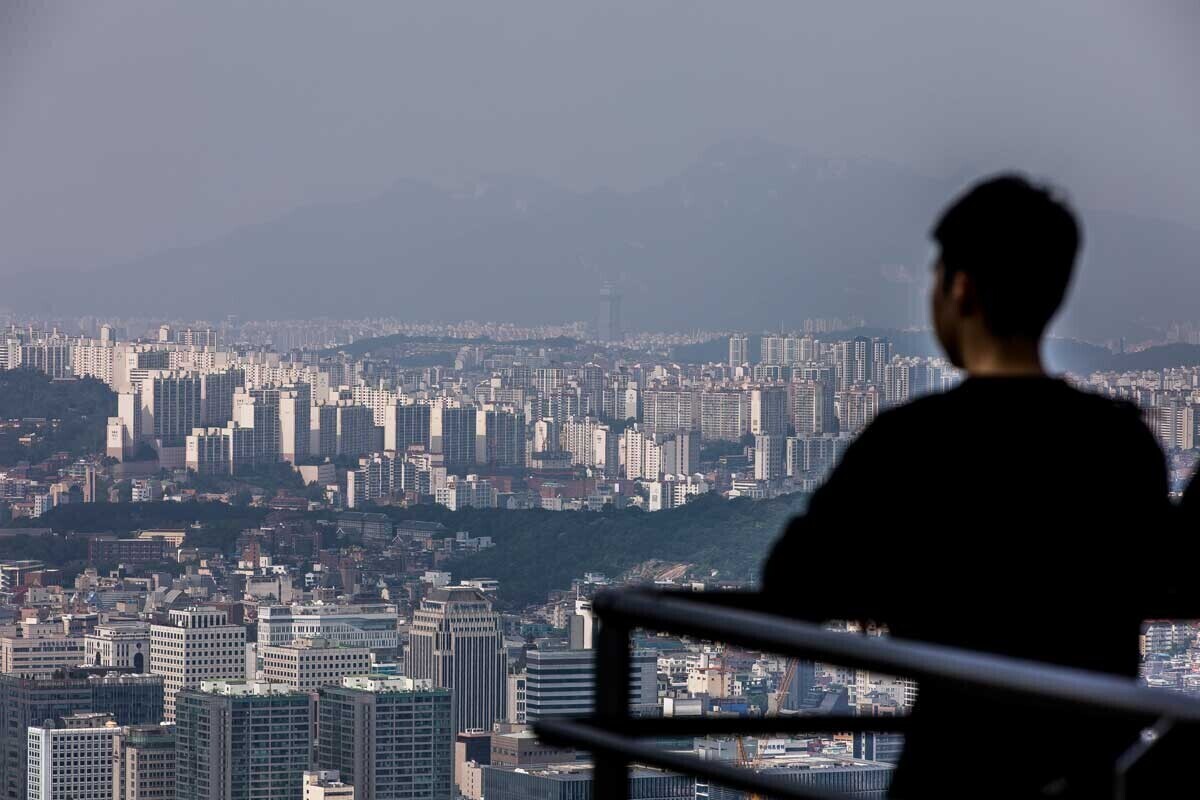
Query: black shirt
{"points": [[999, 516]]}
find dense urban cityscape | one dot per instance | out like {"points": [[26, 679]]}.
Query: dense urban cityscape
{"points": [[267, 559]]}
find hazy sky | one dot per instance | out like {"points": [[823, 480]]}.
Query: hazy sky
{"points": [[130, 126]]}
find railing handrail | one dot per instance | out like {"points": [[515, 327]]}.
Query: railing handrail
{"points": [[778, 634], [617, 740]]}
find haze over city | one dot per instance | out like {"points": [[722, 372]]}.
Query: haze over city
{"points": [[135, 129], [627, 400]]}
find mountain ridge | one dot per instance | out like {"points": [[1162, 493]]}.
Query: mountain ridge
{"points": [[751, 233]]}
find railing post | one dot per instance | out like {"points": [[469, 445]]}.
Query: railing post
{"points": [[613, 663]]}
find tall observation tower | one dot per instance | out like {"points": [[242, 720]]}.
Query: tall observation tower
{"points": [[610, 313]]}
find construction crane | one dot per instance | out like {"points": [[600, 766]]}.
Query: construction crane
{"points": [[774, 704]]}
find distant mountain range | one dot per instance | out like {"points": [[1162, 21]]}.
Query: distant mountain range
{"points": [[751, 235]]}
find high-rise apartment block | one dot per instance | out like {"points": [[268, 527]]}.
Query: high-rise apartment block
{"points": [[724, 415], [739, 350]]}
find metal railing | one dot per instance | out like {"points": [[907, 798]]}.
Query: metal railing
{"points": [[617, 740]]}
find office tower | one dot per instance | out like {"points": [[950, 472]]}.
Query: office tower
{"points": [[131, 699], [665, 410], [681, 453], [170, 406], [144, 763], [881, 356], [570, 781], [70, 758], [456, 641], [562, 682], [406, 426], [724, 415], [500, 437], [216, 396], [884, 747], [452, 433], [310, 663], [769, 410], [326, 784], [610, 311], [371, 625], [295, 410], [196, 644], [121, 645], [39, 655], [739, 350], [242, 740], [390, 737], [769, 452]]}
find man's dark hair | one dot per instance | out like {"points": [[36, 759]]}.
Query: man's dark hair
{"points": [[1018, 242]]}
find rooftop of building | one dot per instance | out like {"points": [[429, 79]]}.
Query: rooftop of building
{"points": [[241, 688], [377, 683], [578, 771], [457, 594]]}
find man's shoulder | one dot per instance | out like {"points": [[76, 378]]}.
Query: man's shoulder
{"points": [[1108, 409], [914, 412]]}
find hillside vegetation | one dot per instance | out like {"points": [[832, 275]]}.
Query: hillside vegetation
{"points": [[81, 406], [539, 551]]}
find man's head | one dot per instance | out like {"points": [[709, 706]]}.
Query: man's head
{"points": [[1007, 250]]}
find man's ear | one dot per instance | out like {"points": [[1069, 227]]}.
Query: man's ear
{"points": [[963, 293]]}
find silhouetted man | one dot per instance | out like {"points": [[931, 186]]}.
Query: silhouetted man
{"points": [[994, 516]]}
